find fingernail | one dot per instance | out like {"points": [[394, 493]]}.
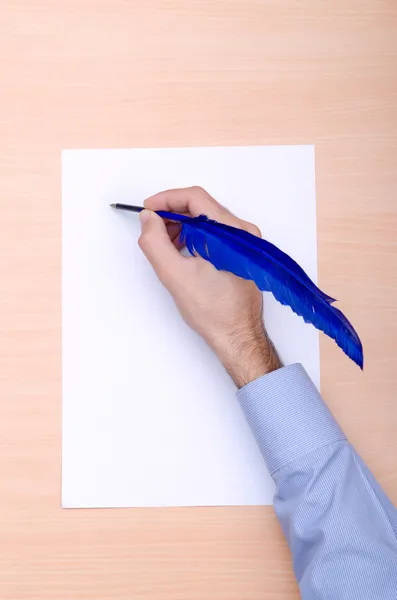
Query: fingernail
{"points": [[144, 216]]}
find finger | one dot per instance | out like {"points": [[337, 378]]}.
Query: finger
{"points": [[158, 248], [193, 200], [196, 201]]}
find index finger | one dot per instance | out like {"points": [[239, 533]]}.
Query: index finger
{"points": [[195, 201], [192, 200]]}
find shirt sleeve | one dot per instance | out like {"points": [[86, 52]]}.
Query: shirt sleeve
{"points": [[340, 526]]}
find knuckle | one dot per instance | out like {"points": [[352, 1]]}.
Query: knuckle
{"points": [[254, 229], [199, 191], [143, 241]]}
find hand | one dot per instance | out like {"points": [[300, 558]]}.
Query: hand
{"points": [[224, 309]]}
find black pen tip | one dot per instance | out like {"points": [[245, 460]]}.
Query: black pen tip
{"points": [[113, 205]]}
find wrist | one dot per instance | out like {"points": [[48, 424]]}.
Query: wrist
{"points": [[247, 355]]}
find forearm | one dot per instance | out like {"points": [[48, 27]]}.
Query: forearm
{"points": [[340, 526]]}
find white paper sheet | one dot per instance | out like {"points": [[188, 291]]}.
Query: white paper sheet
{"points": [[149, 416]]}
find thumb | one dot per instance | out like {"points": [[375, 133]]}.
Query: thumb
{"points": [[158, 248]]}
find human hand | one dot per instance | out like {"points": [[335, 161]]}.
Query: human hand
{"points": [[224, 309]]}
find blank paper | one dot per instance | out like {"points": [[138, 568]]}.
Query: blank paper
{"points": [[150, 418]]}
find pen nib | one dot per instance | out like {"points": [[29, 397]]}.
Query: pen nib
{"points": [[113, 205]]}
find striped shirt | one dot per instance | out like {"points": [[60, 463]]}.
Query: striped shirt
{"points": [[340, 526]]}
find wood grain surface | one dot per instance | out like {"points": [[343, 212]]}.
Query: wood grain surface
{"points": [[127, 73]]}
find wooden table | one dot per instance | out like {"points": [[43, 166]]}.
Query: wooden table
{"points": [[127, 73]]}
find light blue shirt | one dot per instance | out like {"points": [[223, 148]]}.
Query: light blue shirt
{"points": [[340, 526]]}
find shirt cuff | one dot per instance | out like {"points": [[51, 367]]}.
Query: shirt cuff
{"points": [[287, 416]]}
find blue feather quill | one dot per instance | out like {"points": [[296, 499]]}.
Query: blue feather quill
{"points": [[247, 256]]}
